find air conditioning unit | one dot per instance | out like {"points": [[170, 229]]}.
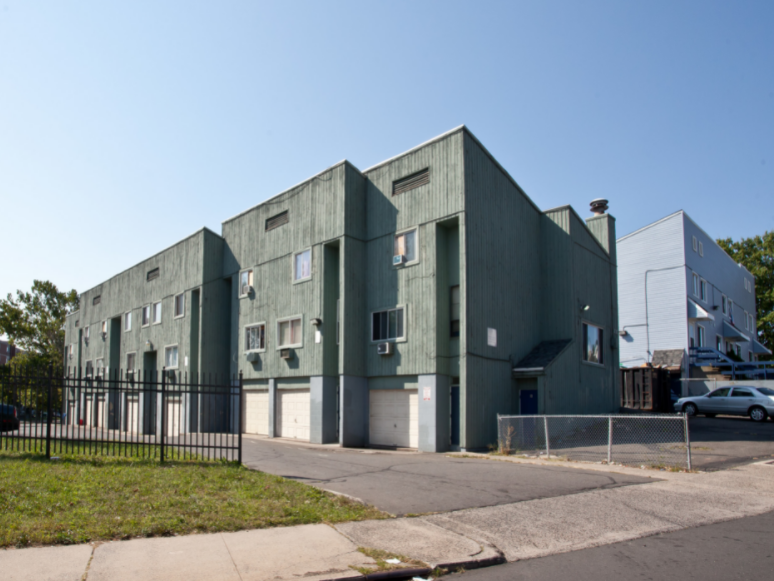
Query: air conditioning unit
{"points": [[286, 353], [253, 357], [384, 348], [247, 289], [398, 259]]}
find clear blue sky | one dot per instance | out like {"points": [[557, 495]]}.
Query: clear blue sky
{"points": [[126, 126]]}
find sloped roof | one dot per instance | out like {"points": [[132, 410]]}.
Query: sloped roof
{"points": [[541, 356], [667, 358]]}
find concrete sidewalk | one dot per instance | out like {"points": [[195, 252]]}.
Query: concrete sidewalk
{"points": [[469, 538]]}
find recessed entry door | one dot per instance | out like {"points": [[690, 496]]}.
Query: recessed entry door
{"points": [[528, 402], [394, 418]]}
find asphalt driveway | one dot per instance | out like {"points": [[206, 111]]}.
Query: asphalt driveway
{"points": [[728, 441], [404, 483]]}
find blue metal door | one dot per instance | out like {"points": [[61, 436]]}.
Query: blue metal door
{"points": [[528, 402]]}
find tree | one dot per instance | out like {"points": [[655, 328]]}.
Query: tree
{"points": [[35, 321], [757, 255]]}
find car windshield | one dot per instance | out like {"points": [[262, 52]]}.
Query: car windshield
{"points": [[765, 390]]}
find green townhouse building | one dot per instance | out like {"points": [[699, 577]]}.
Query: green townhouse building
{"points": [[406, 305]]}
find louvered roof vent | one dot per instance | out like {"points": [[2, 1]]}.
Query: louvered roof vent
{"points": [[277, 221], [415, 180]]}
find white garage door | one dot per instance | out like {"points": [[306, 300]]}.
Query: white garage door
{"points": [[256, 406], [293, 413], [174, 417], [394, 418], [132, 422]]}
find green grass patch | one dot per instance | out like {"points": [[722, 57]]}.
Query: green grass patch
{"points": [[79, 499]]}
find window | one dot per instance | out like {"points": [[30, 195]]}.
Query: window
{"points": [[752, 323], [701, 249], [718, 343], [156, 313], [302, 265], [722, 392], [747, 320], [104, 328], [77, 322], [89, 369], [130, 362], [592, 344], [152, 274], [454, 307], [737, 350], [146, 315], [245, 282], [731, 310], [406, 245], [277, 221], [696, 285], [255, 337], [100, 365], [739, 392], [86, 333], [703, 289], [72, 350], [96, 300], [128, 321], [179, 305], [694, 244], [170, 357], [702, 336], [724, 303], [388, 325], [410, 182], [289, 333]]}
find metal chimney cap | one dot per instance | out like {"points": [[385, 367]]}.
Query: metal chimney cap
{"points": [[599, 206]]}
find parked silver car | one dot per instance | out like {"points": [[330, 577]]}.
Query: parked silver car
{"points": [[739, 400]]}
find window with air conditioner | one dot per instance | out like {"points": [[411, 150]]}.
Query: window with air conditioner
{"points": [[593, 347], [245, 282], [388, 325], [302, 265], [170, 357], [179, 305], [131, 360], [156, 313], [255, 337], [405, 248], [289, 333]]}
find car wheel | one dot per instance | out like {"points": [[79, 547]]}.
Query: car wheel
{"points": [[758, 414], [690, 409], [710, 415]]}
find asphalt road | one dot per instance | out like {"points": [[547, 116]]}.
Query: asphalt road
{"points": [[414, 483], [723, 442], [739, 549]]}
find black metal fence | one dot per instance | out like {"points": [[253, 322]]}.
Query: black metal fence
{"points": [[149, 414]]}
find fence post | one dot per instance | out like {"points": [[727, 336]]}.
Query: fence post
{"points": [[163, 409], [48, 410], [610, 439], [239, 417], [687, 440], [548, 445]]}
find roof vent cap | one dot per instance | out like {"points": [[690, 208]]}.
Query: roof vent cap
{"points": [[599, 206]]}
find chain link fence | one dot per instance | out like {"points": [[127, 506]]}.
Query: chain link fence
{"points": [[659, 441]]}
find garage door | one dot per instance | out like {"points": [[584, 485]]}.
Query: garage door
{"points": [[132, 424], [293, 413], [394, 418], [256, 406], [100, 419], [174, 417]]}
